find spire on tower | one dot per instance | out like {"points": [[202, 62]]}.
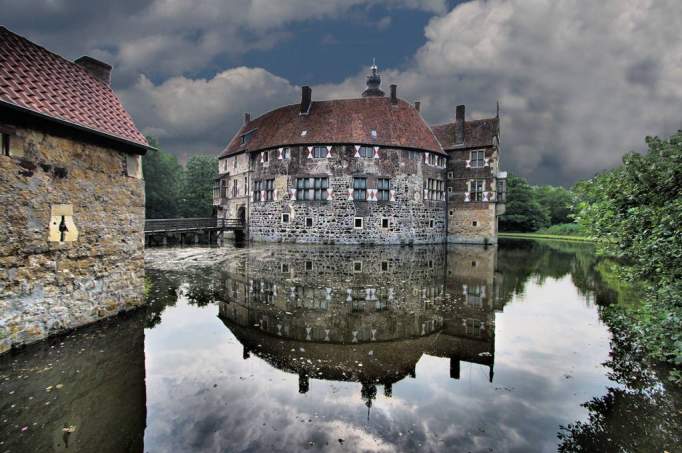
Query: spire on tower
{"points": [[373, 82]]}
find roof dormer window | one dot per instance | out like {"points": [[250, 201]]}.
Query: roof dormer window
{"points": [[374, 133], [304, 133], [246, 137]]}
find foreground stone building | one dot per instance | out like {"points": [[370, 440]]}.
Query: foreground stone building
{"points": [[72, 194], [366, 170]]}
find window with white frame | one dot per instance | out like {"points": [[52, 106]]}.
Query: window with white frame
{"points": [[476, 186], [246, 138], [286, 153], [358, 223], [285, 217], [383, 189], [435, 189], [360, 189], [477, 158], [310, 189]]}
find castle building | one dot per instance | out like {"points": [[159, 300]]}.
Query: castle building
{"points": [[71, 187], [368, 170]]}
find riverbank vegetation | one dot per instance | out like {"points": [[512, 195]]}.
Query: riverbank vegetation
{"points": [[634, 212]]}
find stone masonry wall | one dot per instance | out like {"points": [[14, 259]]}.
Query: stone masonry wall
{"points": [[471, 221], [47, 287], [412, 220]]}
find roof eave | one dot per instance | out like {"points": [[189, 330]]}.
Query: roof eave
{"points": [[142, 148]]}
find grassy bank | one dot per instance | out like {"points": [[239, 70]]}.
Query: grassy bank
{"points": [[545, 236]]}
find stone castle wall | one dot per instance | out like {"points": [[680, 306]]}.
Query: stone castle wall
{"points": [[469, 220], [49, 286], [411, 218]]}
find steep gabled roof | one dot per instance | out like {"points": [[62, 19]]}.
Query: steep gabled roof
{"points": [[36, 80], [343, 121], [477, 133]]}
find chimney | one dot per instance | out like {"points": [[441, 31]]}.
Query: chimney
{"points": [[417, 106], [459, 125], [247, 117], [306, 99], [98, 69], [394, 94]]}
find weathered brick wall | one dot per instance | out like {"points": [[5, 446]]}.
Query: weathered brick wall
{"points": [[47, 287], [412, 220], [471, 221]]}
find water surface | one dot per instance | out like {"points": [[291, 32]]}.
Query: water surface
{"points": [[286, 348]]}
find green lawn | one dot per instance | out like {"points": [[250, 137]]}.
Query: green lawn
{"points": [[545, 236]]}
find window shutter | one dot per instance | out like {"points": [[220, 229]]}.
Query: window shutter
{"points": [[329, 151], [292, 194], [274, 195], [350, 194], [330, 193], [279, 153], [357, 150], [376, 152], [487, 162], [468, 163], [262, 159], [392, 195], [426, 158], [310, 152]]}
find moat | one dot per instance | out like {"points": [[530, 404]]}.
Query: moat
{"points": [[321, 348]]}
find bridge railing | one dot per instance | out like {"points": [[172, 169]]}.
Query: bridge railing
{"points": [[189, 224]]}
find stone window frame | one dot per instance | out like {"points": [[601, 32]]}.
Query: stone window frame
{"points": [[257, 184], [312, 222], [288, 218], [477, 158], [308, 265], [451, 175], [359, 188], [432, 223], [476, 195], [435, 189], [316, 185], [385, 266], [474, 223], [383, 189], [387, 221], [356, 269], [284, 268], [355, 223]]}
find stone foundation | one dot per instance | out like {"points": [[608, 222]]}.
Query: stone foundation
{"points": [[51, 286]]}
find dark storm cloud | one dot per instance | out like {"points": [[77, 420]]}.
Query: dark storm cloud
{"points": [[579, 84]]}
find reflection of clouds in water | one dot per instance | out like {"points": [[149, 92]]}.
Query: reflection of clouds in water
{"points": [[257, 406]]}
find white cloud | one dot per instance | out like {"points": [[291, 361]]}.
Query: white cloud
{"points": [[579, 84]]}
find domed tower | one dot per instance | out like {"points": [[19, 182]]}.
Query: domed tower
{"points": [[373, 83]]}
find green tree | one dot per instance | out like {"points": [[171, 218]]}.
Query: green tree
{"points": [[197, 193], [557, 202], [635, 212], [163, 177], [523, 212]]}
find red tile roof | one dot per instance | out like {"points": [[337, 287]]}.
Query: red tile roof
{"points": [[38, 80], [344, 121], [477, 133]]}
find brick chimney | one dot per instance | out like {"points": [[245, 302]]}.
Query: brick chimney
{"points": [[417, 106], [459, 124], [306, 99], [247, 117], [394, 94], [96, 68]]}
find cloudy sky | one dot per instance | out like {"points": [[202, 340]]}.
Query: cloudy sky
{"points": [[579, 82]]}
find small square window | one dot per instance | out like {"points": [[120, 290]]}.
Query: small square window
{"points": [[451, 175], [452, 212], [384, 266], [473, 264], [384, 223], [309, 265], [449, 189], [358, 223], [430, 264], [357, 266], [374, 133], [285, 217], [431, 223], [474, 223], [308, 222], [285, 268]]}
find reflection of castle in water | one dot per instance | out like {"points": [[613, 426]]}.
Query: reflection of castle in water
{"points": [[363, 314]]}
